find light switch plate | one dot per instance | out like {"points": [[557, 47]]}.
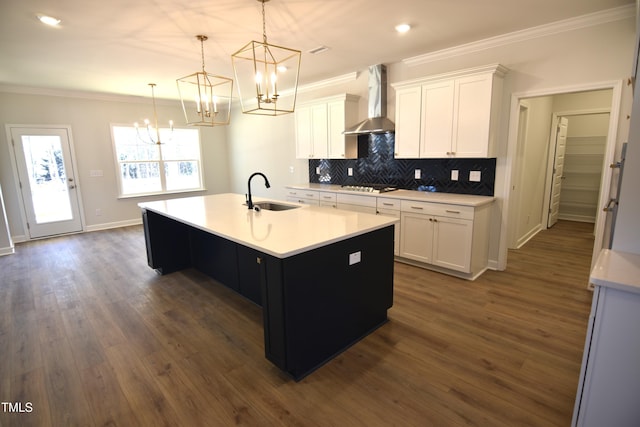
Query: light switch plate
{"points": [[417, 174], [318, 170], [350, 171], [355, 257], [474, 176], [454, 175]]}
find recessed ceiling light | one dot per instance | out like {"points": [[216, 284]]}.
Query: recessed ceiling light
{"points": [[403, 28], [48, 20]]}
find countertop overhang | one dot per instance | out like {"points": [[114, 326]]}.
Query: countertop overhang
{"points": [[278, 233], [421, 196]]}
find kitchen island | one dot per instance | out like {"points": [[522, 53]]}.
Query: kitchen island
{"points": [[323, 277]]}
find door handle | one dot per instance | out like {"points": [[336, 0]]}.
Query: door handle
{"points": [[71, 187]]}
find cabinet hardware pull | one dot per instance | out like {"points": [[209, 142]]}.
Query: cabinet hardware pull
{"points": [[417, 207], [258, 260], [387, 204], [450, 211]]}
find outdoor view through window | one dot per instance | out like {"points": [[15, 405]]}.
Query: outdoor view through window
{"points": [[145, 167]]}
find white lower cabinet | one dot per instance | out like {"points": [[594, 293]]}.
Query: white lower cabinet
{"points": [[450, 237], [609, 386], [356, 203], [391, 207], [305, 197], [328, 199], [437, 240]]}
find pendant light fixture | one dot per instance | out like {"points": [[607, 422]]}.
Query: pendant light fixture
{"points": [[266, 75], [206, 98], [152, 134]]}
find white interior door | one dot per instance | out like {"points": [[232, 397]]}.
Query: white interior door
{"points": [[558, 170], [46, 180]]}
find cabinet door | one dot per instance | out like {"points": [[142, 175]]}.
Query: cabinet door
{"points": [[407, 134], [437, 119], [472, 114], [319, 131], [452, 243], [304, 147], [417, 237], [396, 228], [335, 127]]}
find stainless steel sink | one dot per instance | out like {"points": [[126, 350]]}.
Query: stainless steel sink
{"points": [[273, 206]]}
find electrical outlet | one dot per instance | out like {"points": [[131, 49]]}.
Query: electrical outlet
{"points": [[350, 171], [318, 170], [417, 173], [454, 175], [474, 176], [291, 169]]}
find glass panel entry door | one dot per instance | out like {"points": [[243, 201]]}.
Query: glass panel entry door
{"points": [[47, 180]]}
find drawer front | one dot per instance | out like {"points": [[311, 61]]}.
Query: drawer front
{"points": [[357, 208], [302, 201], [327, 197], [386, 203], [354, 199], [439, 209], [328, 203], [304, 194]]}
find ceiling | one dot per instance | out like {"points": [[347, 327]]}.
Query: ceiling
{"points": [[119, 46]]}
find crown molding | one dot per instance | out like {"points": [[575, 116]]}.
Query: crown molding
{"points": [[112, 97], [328, 82], [69, 93], [571, 24]]}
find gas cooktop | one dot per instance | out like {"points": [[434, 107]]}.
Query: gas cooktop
{"points": [[369, 188]]}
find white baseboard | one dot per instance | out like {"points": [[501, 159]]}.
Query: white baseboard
{"points": [[89, 228], [7, 251], [117, 224], [19, 239], [493, 265], [524, 239]]}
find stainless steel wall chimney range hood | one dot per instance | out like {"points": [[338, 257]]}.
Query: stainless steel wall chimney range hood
{"points": [[377, 121]]}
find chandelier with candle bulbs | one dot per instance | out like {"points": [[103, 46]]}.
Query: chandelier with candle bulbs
{"points": [[206, 98], [152, 135], [266, 75]]}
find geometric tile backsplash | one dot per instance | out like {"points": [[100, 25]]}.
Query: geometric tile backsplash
{"points": [[377, 166]]}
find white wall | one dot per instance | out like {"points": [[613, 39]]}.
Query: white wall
{"points": [[531, 168], [90, 117]]}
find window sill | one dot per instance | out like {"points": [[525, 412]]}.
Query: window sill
{"points": [[160, 193]]}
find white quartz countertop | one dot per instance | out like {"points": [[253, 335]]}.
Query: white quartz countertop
{"points": [[278, 233], [616, 269], [422, 196]]}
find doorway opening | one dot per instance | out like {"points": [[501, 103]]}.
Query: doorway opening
{"points": [[535, 196], [45, 175]]}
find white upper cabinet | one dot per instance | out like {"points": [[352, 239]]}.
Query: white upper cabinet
{"points": [[436, 128], [319, 127], [407, 135], [449, 115]]}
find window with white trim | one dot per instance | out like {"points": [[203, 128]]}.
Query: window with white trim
{"points": [[139, 164]]}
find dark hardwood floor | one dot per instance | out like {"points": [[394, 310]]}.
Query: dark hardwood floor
{"points": [[89, 335]]}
